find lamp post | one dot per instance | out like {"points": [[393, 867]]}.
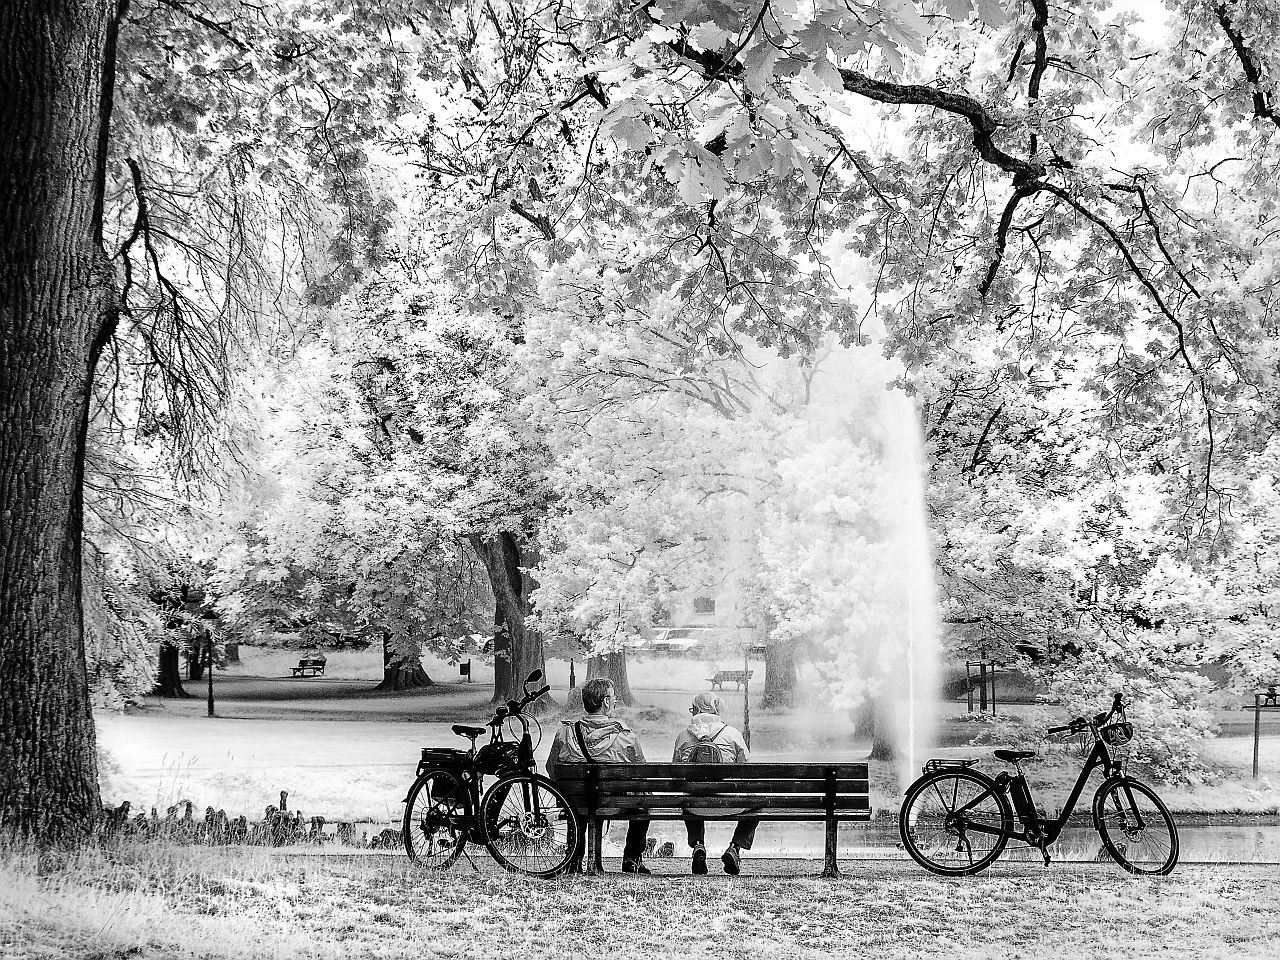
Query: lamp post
{"points": [[1262, 703]]}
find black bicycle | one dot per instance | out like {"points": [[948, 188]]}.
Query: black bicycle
{"points": [[523, 819], [956, 820]]}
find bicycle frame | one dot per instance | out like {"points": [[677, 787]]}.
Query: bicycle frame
{"points": [[466, 766], [1044, 831]]}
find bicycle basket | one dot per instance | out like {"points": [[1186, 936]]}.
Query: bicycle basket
{"points": [[498, 757], [1116, 734]]}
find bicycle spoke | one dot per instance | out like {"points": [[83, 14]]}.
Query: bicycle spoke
{"points": [[529, 829], [954, 823], [1136, 829]]}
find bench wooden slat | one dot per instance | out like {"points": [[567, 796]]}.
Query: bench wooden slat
{"points": [[733, 802], [714, 772], [697, 788], [772, 812]]}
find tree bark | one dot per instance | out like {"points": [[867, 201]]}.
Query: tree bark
{"points": [[780, 675], [500, 555], [57, 308], [614, 667], [405, 673], [169, 683], [231, 653]]}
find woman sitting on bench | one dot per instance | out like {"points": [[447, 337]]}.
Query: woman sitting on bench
{"points": [[708, 739]]}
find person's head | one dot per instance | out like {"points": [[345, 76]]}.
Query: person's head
{"points": [[597, 695], [706, 703]]}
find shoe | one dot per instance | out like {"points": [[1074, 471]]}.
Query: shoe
{"points": [[634, 866], [731, 859], [700, 860]]}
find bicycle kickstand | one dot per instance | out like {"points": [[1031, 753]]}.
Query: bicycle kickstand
{"points": [[1044, 852]]}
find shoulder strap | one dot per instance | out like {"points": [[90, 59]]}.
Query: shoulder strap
{"points": [[714, 736], [582, 743]]}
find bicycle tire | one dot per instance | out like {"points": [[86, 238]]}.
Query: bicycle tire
{"points": [[435, 811], [530, 826], [928, 827], [1148, 851]]}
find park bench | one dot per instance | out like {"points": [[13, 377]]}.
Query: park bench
{"points": [[817, 792], [309, 667], [726, 676]]}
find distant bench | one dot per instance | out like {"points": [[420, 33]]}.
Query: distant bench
{"points": [[824, 792], [309, 667], [725, 676]]}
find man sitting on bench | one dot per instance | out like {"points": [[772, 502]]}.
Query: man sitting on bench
{"points": [[599, 738], [708, 739]]}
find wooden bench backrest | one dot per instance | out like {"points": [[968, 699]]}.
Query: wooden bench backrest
{"points": [[791, 791]]}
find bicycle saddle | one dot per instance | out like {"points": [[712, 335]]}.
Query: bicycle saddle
{"points": [[464, 731], [1013, 756]]}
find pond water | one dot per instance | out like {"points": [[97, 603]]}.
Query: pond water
{"points": [[1253, 840]]}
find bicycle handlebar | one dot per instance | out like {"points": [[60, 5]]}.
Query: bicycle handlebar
{"points": [[1080, 724], [515, 708]]}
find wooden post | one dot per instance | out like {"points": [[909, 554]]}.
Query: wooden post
{"points": [[968, 682], [209, 667], [746, 699]]}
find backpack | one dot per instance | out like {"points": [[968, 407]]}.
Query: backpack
{"points": [[705, 750]]}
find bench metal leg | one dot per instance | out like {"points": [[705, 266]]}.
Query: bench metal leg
{"points": [[829, 868], [595, 838]]}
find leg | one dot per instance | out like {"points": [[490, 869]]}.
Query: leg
{"points": [[744, 834], [696, 829], [637, 833]]}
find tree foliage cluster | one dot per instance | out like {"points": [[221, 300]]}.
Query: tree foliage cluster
{"points": [[532, 283]]}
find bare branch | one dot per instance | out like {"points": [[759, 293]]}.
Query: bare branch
{"points": [[1261, 108]]}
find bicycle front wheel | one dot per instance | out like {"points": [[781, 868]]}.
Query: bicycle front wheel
{"points": [[435, 813], [955, 822], [1136, 827], [530, 826]]}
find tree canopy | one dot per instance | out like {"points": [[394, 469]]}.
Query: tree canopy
{"points": [[560, 275]]}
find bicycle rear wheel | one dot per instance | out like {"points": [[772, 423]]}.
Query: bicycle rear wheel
{"points": [[1136, 827], [530, 826], [435, 814], [955, 822]]}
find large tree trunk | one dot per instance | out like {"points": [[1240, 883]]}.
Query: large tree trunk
{"points": [[869, 721], [502, 672], [57, 64], [195, 661], [780, 674], [614, 666], [401, 673], [169, 683], [501, 557]]}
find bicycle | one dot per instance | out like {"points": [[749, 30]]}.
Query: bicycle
{"points": [[956, 820], [523, 819]]}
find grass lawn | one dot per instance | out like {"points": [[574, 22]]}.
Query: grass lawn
{"points": [[150, 902]]}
